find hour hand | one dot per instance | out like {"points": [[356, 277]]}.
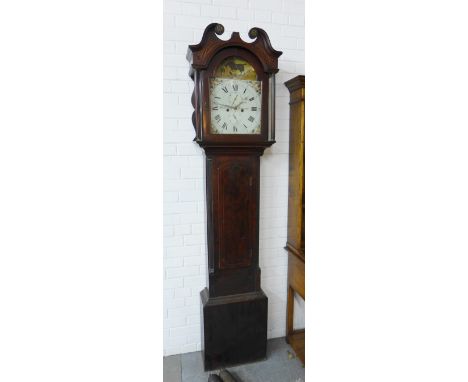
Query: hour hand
{"points": [[234, 100], [240, 103]]}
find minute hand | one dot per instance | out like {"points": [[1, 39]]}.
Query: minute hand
{"points": [[221, 104]]}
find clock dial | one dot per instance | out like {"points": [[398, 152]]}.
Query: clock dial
{"points": [[235, 106]]}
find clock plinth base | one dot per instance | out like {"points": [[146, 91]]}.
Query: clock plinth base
{"points": [[234, 329]]}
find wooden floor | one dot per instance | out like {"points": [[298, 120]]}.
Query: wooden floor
{"points": [[297, 342]]}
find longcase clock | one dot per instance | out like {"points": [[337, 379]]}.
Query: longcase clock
{"points": [[233, 100]]}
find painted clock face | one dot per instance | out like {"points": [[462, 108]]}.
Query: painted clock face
{"points": [[235, 99]]}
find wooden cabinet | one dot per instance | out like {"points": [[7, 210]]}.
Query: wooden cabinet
{"points": [[295, 244]]}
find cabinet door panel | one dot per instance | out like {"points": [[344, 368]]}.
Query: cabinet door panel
{"points": [[237, 210]]}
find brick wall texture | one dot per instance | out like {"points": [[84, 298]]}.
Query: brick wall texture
{"points": [[184, 206]]}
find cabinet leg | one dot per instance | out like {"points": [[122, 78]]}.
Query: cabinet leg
{"points": [[289, 312]]}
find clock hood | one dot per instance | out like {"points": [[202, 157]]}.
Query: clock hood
{"points": [[199, 55]]}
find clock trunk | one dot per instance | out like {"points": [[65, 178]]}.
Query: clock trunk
{"points": [[232, 189]]}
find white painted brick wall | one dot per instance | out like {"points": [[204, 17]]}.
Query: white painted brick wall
{"points": [[184, 207]]}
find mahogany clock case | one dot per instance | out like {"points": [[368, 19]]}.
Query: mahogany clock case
{"points": [[234, 308]]}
